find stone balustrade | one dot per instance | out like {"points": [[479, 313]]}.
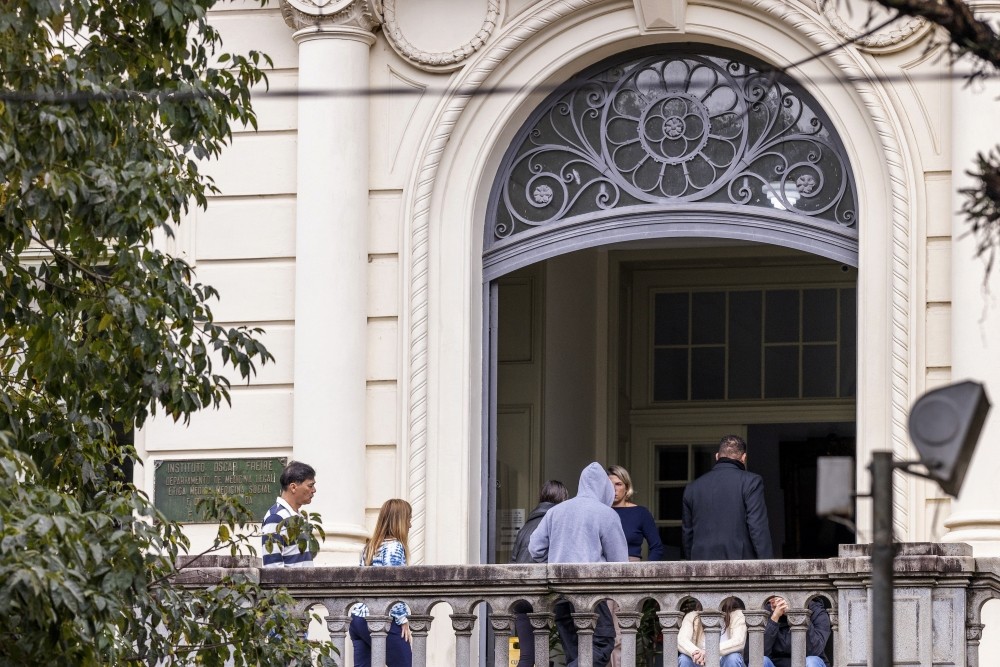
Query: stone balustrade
{"points": [[939, 593]]}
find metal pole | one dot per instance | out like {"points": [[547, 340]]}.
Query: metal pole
{"points": [[883, 552]]}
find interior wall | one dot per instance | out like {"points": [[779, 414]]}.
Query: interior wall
{"points": [[571, 362]]}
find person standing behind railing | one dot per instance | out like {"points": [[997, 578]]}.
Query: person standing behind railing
{"points": [[637, 521], [552, 493], [584, 529], [387, 547], [691, 638], [723, 512], [639, 526]]}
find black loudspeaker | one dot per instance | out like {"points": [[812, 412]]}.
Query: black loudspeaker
{"points": [[944, 425]]}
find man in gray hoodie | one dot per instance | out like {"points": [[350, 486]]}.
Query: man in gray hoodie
{"points": [[584, 529]]}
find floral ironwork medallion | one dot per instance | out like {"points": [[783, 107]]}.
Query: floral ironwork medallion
{"points": [[673, 128]]}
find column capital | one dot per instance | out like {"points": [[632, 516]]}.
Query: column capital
{"points": [[420, 625], [356, 19], [462, 624]]}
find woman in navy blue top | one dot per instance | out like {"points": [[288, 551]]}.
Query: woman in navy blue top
{"points": [[637, 521]]}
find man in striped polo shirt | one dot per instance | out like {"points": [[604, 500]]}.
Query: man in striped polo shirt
{"points": [[298, 486]]}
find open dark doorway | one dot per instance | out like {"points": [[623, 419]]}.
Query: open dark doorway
{"points": [[785, 455]]}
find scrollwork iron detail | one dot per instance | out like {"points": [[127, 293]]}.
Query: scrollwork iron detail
{"points": [[674, 127]]}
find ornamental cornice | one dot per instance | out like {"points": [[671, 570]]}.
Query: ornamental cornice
{"points": [[332, 15], [442, 61], [897, 36]]}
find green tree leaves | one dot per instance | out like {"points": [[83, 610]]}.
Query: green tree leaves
{"points": [[99, 330]]}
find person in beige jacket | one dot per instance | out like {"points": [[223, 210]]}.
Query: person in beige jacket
{"points": [[691, 638]]}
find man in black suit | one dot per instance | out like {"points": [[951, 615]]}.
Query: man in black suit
{"points": [[724, 517]]}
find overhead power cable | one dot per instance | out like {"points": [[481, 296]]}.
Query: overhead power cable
{"points": [[123, 95]]}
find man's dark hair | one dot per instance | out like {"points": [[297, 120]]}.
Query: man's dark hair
{"points": [[732, 447], [553, 491], [296, 472]]}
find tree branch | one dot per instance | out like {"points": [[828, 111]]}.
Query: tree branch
{"points": [[969, 34]]}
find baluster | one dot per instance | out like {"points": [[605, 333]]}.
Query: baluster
{"points": [[540, 623], [756, 620], [462, 625], [973, 635], [503, 626], [835, 633], [378, 626], [711, 621], [419, 627], [797, 621], [670, 621], [584, 623], [628, 622], [337, 627]]}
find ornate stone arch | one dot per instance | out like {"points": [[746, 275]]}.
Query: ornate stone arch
{"points": [[420, 191]]}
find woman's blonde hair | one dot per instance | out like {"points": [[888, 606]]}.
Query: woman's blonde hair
{"points": [[393, 523], [622, 474]]}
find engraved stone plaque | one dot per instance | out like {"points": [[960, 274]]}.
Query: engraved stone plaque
{"points": [[179, 484]]}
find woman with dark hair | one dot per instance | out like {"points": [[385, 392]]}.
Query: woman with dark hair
{"points": [[552, 493], [386, 548], [691, 638]]}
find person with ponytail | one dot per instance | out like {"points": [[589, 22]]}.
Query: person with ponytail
{"points": [[387, 547]]}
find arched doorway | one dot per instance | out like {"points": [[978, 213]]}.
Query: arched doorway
{"points": [[680, 184]]}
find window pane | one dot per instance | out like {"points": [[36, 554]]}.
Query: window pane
{"points": [[744, 344], [848, 342], [671, 319], [708, 374], [669, 506], [781, 318], [819, 315], [704, 458], [670, 375], [708, 318], [781, 372], [819, 371], [671, 464]]}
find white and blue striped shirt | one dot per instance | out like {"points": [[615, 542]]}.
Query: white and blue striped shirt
{"points": [[277, 552]]}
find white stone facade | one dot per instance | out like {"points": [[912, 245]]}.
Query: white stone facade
{"points": [[351, 228]]}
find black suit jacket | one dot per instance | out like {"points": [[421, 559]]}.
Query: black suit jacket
{"points": [[724, 515]]}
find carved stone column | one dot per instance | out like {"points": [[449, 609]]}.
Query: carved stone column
{"points": [[584, 622], [798, 622], [331, 261], [378, 626], [463, 625], [628, 622], [834, 629], [756, 620], [973, 635], [503, 626], [711, 621], [975, 308], [337, 626], [670, 622], [420, 626], [540, 623]]}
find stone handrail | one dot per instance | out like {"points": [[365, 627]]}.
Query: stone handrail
{"points": [[939, 590]]}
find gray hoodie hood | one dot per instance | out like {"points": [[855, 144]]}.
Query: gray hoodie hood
{"points": [[594, 483], [583, 529]]}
